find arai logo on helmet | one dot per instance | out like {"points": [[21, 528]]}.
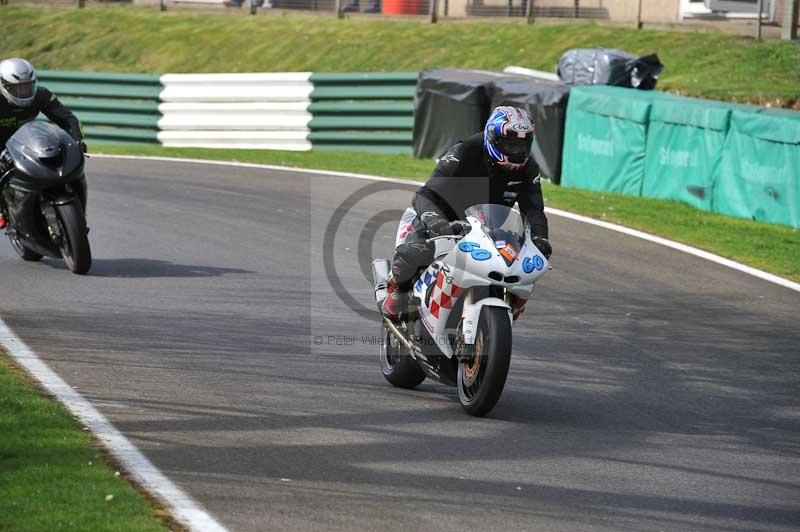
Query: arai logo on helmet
{"points": [[521, 128]]}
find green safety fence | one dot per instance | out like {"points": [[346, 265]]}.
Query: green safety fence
{"points": [[734, 159], [361, 111], [112, 107]]}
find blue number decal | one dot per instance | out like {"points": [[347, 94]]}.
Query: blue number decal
{"points": [[481, 254], [527, 265], [475, 250], [532, 263], [467, 247]]}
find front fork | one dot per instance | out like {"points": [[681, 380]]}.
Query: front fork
{"points": [[53, 224], [471, 314]]}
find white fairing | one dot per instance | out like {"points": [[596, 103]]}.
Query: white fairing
{"points": [[460, 268], [406, 226], [472, 314]]}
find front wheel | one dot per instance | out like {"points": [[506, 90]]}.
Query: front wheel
{"points": [[397, 365], [482, 378], [74, 244]]}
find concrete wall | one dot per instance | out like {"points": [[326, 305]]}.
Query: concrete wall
{"points": [[780, 6], [625, 10]]}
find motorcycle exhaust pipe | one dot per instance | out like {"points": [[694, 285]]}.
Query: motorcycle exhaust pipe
{"points": [[380, 278]]}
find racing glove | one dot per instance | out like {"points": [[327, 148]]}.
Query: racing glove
{"points": [[544, 246], [436, 224], [459, 227]]}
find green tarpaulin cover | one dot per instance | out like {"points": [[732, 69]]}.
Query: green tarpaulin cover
{"points": [[605, 138], [759, 174], [684, 148]]}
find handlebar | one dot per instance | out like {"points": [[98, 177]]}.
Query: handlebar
{"points": [[444, 237], [458, 228]]}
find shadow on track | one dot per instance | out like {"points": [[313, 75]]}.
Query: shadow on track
{"points": [[150, 268]]}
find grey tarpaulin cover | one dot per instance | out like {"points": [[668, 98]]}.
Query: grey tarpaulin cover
{"points": [[452, 104], [546, 102], [603, 66]]}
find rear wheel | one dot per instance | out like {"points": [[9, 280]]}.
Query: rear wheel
{"points": [[74, 239], [24, 253], [482, 378], [397, 365]]}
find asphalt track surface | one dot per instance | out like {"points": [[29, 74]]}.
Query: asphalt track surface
{"points": [[648, 390]]}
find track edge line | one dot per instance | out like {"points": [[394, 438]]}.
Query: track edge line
{"points": [[183, 508]]}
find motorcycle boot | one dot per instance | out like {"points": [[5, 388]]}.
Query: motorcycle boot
{"points": [[395, 306]]}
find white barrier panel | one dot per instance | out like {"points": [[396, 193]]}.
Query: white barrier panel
{"points": [[292, 116], [274, 87], [268, 140], [257, 111]]}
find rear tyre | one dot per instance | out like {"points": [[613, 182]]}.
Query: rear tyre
{"points": [[481, 379], [24, 253], [74, 239], [397, 365]]}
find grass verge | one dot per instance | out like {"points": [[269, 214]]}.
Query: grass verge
{"points": [[52, 477], [773, 248], [126, 39]]}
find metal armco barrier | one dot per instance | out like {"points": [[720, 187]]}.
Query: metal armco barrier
{"points": [[258, 111], [363, 111], [112, 107], [282, 111]]}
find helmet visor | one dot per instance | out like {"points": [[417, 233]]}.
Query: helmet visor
{"points": [[516, 149], [23, 91]]}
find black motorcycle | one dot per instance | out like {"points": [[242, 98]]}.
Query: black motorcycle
{"points": [[44, 196]]}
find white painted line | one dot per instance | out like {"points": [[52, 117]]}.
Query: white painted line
{"points": [[182, 508], [262, 166], [786, 283], [540, 74], [766, 276]]}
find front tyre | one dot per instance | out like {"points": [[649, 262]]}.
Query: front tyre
{"points": [[397, 365], [482, 378], [74, 244]]}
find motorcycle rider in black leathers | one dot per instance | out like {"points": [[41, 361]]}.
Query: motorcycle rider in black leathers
{"points": [[493, 166], [21, 100]]}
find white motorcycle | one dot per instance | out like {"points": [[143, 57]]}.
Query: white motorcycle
{"points": [[458, 329]]}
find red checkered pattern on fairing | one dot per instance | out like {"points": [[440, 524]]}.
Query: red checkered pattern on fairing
{"points": [[444, 295]]}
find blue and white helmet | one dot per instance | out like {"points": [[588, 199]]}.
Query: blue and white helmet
{"points": [[508, 137]]}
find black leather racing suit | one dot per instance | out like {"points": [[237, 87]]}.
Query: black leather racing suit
{"points": [[463, 178], [12, 118]]}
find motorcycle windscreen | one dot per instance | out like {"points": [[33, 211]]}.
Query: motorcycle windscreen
{"points": [[503, 225]]}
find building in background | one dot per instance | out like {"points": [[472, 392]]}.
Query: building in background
{"points": [[653, 11]]}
